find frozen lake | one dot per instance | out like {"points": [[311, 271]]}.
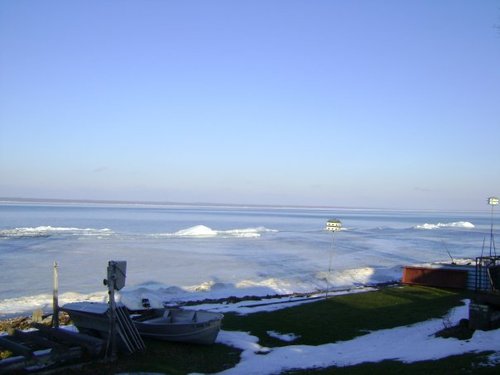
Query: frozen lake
{"points": [[185, 252]]}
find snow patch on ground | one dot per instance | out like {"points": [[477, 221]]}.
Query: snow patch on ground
{"points": [[288, 337], [412, 343]]}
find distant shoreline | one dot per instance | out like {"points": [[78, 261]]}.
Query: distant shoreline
{"points": [[168, 203], [12, 200]]}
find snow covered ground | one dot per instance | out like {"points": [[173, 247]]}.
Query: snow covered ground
{"points": [[416, 342], [407, 344]]}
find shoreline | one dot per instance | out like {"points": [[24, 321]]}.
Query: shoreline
{"points": [[163, 204], [27, 322], [20, 321]]}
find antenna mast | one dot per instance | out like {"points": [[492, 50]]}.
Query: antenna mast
{"points": [[492, 201]]}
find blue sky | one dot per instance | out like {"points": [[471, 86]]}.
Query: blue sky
{"points": [[341, 103]]}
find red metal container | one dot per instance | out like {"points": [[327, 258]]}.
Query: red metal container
{"points": [[438, 277]]}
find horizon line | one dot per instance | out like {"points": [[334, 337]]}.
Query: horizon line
{"points": [[206, 204]]}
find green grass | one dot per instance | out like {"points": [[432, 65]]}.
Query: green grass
{"points": [[345, 317], [168, 358], [338, 318], [176, 359]]}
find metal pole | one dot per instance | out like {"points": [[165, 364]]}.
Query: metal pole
{"points": [[113, 319], [330, 266], [492, 201], [331, 254], [55, 298], [332, 225], [112, 310], [492, 247]]}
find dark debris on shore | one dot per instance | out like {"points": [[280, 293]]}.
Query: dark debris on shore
{"points": [[27, 322]]}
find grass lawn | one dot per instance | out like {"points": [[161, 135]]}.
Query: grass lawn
{"points": [[345, 317], [325, 321]]}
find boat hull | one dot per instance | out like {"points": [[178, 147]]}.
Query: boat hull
{"points": [[178, 325], [89, 317], [94, 319], [197, 327]]}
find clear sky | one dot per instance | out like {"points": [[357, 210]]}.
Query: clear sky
{"points": [[300, 102]]}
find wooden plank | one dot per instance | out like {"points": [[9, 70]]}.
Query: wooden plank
{"points": [[93, 345], [39, 361], [13, 364], [42, 342], [50, 347], [15, 347]]}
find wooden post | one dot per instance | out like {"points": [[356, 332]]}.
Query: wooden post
{"points": [[55, 298], [111, 347]]}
